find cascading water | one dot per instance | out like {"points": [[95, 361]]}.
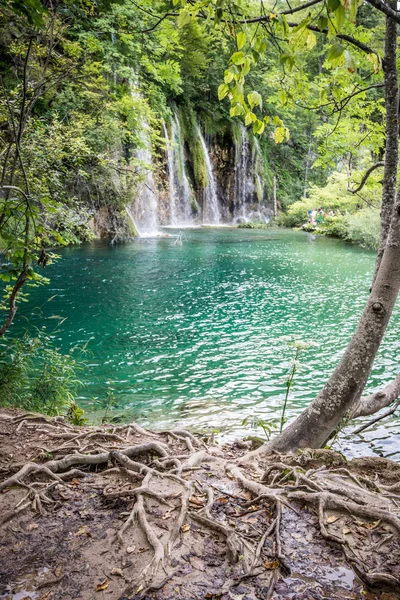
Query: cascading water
{"points": [[145, 207], [244, 175], [171, 177], [181, 194], [143, 210], [211, 210]]}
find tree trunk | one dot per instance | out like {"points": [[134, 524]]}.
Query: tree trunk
{"points": [[313, 427], [391, 136]]}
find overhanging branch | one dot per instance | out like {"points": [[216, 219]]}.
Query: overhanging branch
{"points": [[365, 177]]}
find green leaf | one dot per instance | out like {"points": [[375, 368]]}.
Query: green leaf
{"points": [[322, 23], [335, 51], [353, 10], [282, 97], [238, 58], [279, 134], [333, 5], [223, 90], [250, 118], [240, 40], [237, 110], [184, 18], [340, 17], [254, 99], [311, 40], [228, 76], [258, 127]]}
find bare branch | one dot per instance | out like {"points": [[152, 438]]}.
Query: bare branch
{"points": [[385, 9], [369, 405], [365, 177]]}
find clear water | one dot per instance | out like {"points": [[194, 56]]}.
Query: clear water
{"points": [[195, 334]]}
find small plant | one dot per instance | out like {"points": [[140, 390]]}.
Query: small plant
{"points": [[76, 415], [266, 426], [296, 346], [106, 404], [35, 376]]}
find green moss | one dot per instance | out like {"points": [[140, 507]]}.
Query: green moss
{"points": [[191, 137]]}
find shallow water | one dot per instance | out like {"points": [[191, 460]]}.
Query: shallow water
{"points": [[195, 334]]}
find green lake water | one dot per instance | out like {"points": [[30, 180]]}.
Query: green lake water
{"points": [[195, 334]]}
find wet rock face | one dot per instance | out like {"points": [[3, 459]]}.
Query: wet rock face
{"points": [[215, 179]]}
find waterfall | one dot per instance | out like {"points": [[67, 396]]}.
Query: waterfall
{"points": [[171, 177], [181, 194], [186, 194], [211, 212], [143, 209], [244, 175]]}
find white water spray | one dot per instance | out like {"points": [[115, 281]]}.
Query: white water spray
{"points": [[211, 212]]}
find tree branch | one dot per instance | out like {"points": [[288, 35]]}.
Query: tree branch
{"points": [[369, 405], [344, 37], [365, 177], [385, 9], [379, 418]]}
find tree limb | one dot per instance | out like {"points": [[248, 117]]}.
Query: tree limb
{"points": [[365, 177], [369, 405], [385, 9]]}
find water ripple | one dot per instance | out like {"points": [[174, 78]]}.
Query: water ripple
{"points": [[195, 334]]}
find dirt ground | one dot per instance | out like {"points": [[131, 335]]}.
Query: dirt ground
{"points": [[124, 514]]}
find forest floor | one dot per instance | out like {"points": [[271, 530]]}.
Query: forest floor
{"points": [[117, 512]]}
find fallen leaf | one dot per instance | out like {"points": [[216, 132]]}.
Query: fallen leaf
{"points": [[116, 571], [332, 519], [185, 528], [131, 549], [272, 565], [57, 571], [139, 589], [346, 530], [195, 501], [102, 586], [222, 500], [83, 531], [32, 526], [143, 549]]}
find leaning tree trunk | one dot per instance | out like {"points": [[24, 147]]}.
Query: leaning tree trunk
{"points": [[391, 137], [316, 423]]}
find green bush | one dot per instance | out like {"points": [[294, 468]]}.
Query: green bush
{"points": [[254, 225], [363, 228], [36, 377], [295, 216]]}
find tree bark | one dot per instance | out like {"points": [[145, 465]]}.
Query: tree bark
{"points": [[392, 136], [313, 427], [371, 404]]}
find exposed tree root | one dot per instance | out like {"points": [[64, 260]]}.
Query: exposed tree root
{"points": [[163, 498]]}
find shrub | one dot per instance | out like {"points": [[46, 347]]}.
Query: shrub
{"points": [[36, 377], [254, 225], [363, 228]]}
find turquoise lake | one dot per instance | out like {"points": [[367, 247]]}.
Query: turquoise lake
{"points": [[196, 334]]}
